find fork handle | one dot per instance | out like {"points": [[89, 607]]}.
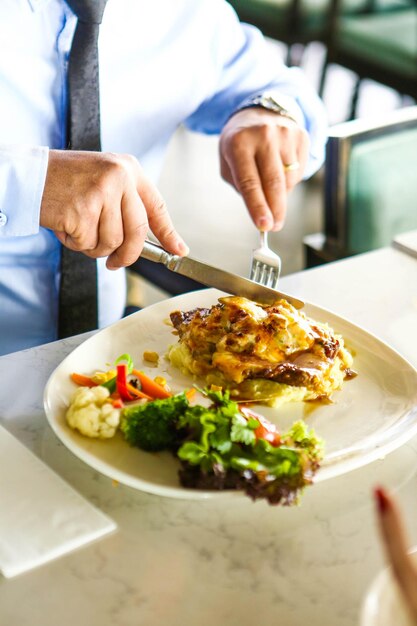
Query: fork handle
{"points": [[264, 238]]}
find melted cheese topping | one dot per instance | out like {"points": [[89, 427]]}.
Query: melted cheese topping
{"points": [[240, 340]]}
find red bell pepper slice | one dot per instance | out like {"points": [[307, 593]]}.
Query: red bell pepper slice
{"points": [[121, 383]]}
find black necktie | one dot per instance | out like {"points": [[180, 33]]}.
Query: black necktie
{"points": [[78, 289]]}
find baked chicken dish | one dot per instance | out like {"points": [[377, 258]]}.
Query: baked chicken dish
{"points": [[268, 354]]}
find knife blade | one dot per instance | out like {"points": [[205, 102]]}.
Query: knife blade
{"points": [[215, 277]]}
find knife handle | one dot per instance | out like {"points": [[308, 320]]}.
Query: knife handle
{"points": [[154, 252]]}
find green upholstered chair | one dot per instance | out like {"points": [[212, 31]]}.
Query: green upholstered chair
{"points": [[294, 21], [379, 44], [370, 186]]}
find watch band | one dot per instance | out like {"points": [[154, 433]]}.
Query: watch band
{"points": [[270, 103]]}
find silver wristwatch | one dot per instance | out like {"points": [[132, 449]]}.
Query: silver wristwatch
{"points": [[270, 103]]}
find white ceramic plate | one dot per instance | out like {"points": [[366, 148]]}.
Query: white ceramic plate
{"points": [[373, 414], [383, 604]]}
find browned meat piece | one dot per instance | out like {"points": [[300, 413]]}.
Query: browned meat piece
{"points": [[180, 319], [289, 374]]}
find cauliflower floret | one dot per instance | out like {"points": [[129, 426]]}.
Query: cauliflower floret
{"points": [[91, 414]]}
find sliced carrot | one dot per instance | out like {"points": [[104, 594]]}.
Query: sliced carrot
{"points": [[190, 393], [84, 381], [150, 387], [138, 394]]}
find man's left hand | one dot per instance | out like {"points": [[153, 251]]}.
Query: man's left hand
{"points": [[257, 150]]}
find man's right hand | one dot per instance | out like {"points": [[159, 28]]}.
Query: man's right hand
{"points": [[101, 204]]}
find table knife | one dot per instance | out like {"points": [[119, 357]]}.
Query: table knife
{"points": [[215, 277]]}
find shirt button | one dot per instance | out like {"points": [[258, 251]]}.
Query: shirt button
{"points": [[3, 219]]}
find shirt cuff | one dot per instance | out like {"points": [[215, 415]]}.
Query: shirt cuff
{"points": [[22, 180]]}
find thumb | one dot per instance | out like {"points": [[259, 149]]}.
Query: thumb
{"points": [[160, 221]]}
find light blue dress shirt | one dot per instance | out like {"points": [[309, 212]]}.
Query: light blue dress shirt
{"points": [[162, 63]]}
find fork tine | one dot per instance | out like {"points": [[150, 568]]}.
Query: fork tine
{"points": [[253, 271], [270, 276], [266, 264]]}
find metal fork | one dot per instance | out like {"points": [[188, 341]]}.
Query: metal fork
{"points": [[266, 265]]}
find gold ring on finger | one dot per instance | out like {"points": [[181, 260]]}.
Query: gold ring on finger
{"points": [[291, 167]]}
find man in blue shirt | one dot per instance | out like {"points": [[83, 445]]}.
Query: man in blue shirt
{"points": [[161, 64]]}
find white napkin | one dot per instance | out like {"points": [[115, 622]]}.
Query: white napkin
{"points": [[41, 516]]}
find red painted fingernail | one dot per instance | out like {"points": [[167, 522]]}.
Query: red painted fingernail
{"points": [[381, 499]]}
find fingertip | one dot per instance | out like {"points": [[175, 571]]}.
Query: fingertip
{"points": [[381, 498], [278, 225], [177, 246], [111, 264], [182, 248], [264, 222]]}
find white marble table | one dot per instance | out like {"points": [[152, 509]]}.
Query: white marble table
{"points": [[183, 563]]}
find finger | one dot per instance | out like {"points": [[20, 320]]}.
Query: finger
{"points": [[247, 181], [61, 236], [135, 228], [395, 542], [225, 171], [159, 219], [292, 167], [111, 231], [303, 147], [273, 183], [78, 244]]}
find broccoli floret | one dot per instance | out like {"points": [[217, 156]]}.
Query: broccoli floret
{"points": [[153, 426]]}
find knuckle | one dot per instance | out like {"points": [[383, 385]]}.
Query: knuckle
{"points": [[274, 182], [286, 131], [248, 185], [111, 244], [129, 158], [257, 209], [266, 132], [93, 202], [74, 244], [237, 143], [88, 206], [116, 167], [81, 244], [110, 162], [139, 231], [158, 207], [166, 232]]}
